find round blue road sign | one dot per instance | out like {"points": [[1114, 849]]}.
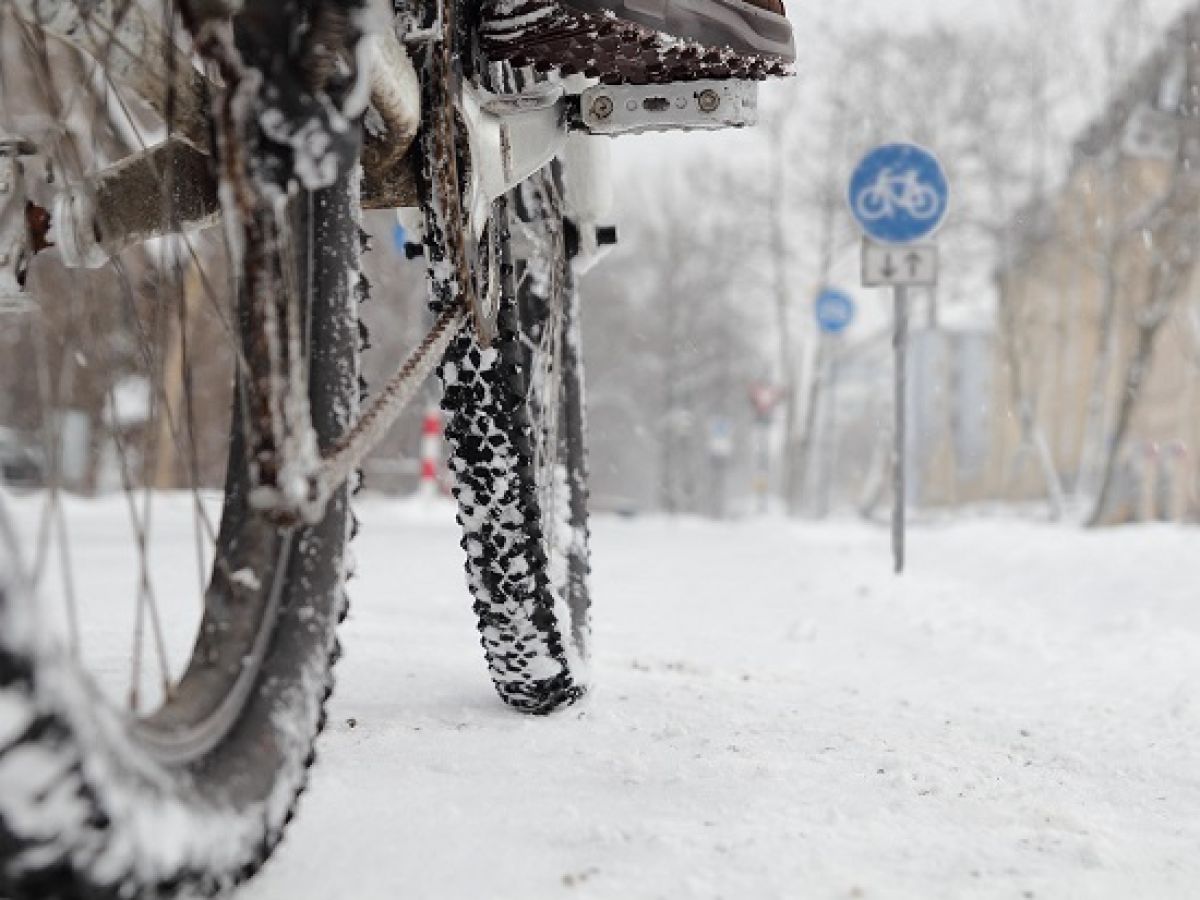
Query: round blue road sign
{"points": [[899, 193], [835, 311]]}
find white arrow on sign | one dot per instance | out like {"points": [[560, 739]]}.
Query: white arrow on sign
{"points": [[915, 265]]}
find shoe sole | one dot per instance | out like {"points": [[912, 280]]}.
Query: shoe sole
{"points": [[673, 43], [735, 24]]}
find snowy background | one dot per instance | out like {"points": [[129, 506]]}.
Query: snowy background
{"points": [[776, 716]]}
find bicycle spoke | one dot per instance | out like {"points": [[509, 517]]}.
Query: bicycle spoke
{"points": [[124, 379], [75, 642], [52, 521], [67, 159], [184, 307], [545, 386], [162, 368], [203, 527]]}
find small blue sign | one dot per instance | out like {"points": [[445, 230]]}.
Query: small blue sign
{"points": [[835, 311], [720, 438], [899, 193], [399, 237]]}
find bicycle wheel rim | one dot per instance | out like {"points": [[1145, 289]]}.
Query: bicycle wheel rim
{"points": [[204, 690]]}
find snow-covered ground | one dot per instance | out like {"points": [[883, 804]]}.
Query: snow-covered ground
{"points": [[776, 716]]}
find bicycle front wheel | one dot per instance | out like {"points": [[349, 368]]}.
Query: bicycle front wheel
{"points": [[872, 204]]}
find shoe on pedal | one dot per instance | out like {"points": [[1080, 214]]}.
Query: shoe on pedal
{"points": [[642, 41]]}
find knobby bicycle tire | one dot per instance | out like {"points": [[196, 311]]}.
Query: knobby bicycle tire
{"points": [[516, 458], [521, 490], [92, 804]]}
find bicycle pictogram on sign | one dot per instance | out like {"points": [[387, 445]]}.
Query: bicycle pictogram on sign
{"points": [[899, 193], [894, 191]]}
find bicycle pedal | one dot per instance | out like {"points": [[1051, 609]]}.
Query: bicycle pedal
{"points": [[676, 106], [549, 35]]}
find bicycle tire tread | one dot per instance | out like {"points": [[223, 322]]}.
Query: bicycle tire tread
{"points": [[489, 438]]}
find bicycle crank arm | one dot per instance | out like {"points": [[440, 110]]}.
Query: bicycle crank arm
{"points": [[510, 137], [513, 136], [122, 206]]}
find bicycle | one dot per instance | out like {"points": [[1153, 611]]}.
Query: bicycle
{"points": [[143, 349]]}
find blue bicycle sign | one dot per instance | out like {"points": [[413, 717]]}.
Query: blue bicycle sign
{"points": [[835, 311], [899, 193]]}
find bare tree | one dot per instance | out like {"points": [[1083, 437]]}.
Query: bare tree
{"points": [[670, 339], [1168, 240]]}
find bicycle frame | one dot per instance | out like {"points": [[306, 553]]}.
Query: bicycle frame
{"points": [[509, 137]]}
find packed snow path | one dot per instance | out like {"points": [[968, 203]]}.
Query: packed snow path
{"points": [[776, 716]]}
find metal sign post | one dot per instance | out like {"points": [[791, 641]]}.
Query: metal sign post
{"points": [[835, 312], [720, 451], [899, 473], [765, 398], [899, 195]]}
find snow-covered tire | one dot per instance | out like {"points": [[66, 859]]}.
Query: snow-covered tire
{"points": [[90, 805], [523, 512]]}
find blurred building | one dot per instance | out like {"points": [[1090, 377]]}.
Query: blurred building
{"points": [[1098, 322], [951, 373]]}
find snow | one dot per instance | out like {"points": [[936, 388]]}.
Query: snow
{"points": [[776, 716], [129, 403], [246, 578], [53, 796]]}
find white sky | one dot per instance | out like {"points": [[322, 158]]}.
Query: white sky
{"points": [[810, 17], [639, 162], [918, 13], [906, 14]]}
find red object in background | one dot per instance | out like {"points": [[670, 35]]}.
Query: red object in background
{"points": [[431, 449], [764, 398]]}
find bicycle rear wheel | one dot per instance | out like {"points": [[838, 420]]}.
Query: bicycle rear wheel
{"points": [[515, 432], [174, 766]]}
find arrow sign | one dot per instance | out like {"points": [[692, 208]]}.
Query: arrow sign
{"points": [[913, 266], [899, 194]]}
